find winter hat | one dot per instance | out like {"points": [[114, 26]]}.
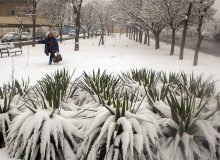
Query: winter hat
{"points": [[50, 32]]}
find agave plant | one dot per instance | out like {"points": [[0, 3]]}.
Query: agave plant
{"points": [[143, 76], [5, 100], [41, 132], [53, 88], [177, 82], [189, 135], [202, 88], [38, 135], [22, 88], [126, 133], [155, 94], [101, 85]]}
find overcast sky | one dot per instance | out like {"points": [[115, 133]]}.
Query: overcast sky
{"points": [[217, 6]]}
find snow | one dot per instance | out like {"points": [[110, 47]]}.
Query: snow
{"points": [[4, 155], [117, 55]]}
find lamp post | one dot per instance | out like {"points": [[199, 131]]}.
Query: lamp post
{"points": [[113, 19], [20, 29], [33, 14]]}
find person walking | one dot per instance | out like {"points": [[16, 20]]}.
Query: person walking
{"points": [[51, 46]]}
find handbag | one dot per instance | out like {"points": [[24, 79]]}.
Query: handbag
{"points": [[57, 58]]}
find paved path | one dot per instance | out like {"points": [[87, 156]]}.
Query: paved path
{"points": [[208, 46]]}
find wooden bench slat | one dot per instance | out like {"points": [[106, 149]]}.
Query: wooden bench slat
{"points": [[5, 49]]}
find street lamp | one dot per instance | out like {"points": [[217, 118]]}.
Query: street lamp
{"points": [[113, 19], [20, 29]]}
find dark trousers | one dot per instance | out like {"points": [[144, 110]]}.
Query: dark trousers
{"points": [[52, 55]]}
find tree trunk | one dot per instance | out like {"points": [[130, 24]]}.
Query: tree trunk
{"points": [[34, 22], [130, 33], [200, 38], [77, 31], [112, 28], [196, 56], [78, 24], [137, 35], [88, 34], [145, 38], [182, 45], [148, 37], [101, 41], [84, 33], [92, 33], [127, 32], [157, 39], [140, 36], [173, 41], [134, 30]]}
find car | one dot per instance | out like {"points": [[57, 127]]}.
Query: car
{"points": [[10, 37], [72, 33], [26, 36], [217, 37], [99, 32], [207, 35], [40, 35]]}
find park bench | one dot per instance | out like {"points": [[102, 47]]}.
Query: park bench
{"points": [[9, 49]]}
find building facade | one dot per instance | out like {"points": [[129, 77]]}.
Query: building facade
{"points": [[13, 15], [11, 7]]}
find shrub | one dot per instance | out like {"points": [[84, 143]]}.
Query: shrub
{"points": [[143, 76], [53, 88], [5, 99], [189, 134], [101, 86], [40, 132], [124, 133], [42, 136]]}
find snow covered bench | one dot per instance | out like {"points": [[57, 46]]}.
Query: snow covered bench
{"points": [[9, 49]]}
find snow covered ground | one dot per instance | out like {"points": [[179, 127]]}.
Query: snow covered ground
{"points": [[118, 54], [4, 155]]}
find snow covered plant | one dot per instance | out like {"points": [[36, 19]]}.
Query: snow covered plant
{"points": [[5, 100], [22, 87], [143, 76], [128, 132], [41, 136], [101, 86], [53, 88], [200, 87], [189, 134], [155, 94], [40, 132]]}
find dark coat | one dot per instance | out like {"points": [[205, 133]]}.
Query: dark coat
{"points": [[51, 45]]}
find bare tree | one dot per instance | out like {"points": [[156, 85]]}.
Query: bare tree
{"points": [[202, 10], [55, 11], [31, 11], [77, 4], [88, 17], [142, 13], [185, 26], [104, 14], [172, 13]]}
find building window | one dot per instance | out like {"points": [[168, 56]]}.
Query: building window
{"points": [[12, 12]]}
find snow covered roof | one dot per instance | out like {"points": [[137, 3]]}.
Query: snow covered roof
{"points": [[13, 21]]}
